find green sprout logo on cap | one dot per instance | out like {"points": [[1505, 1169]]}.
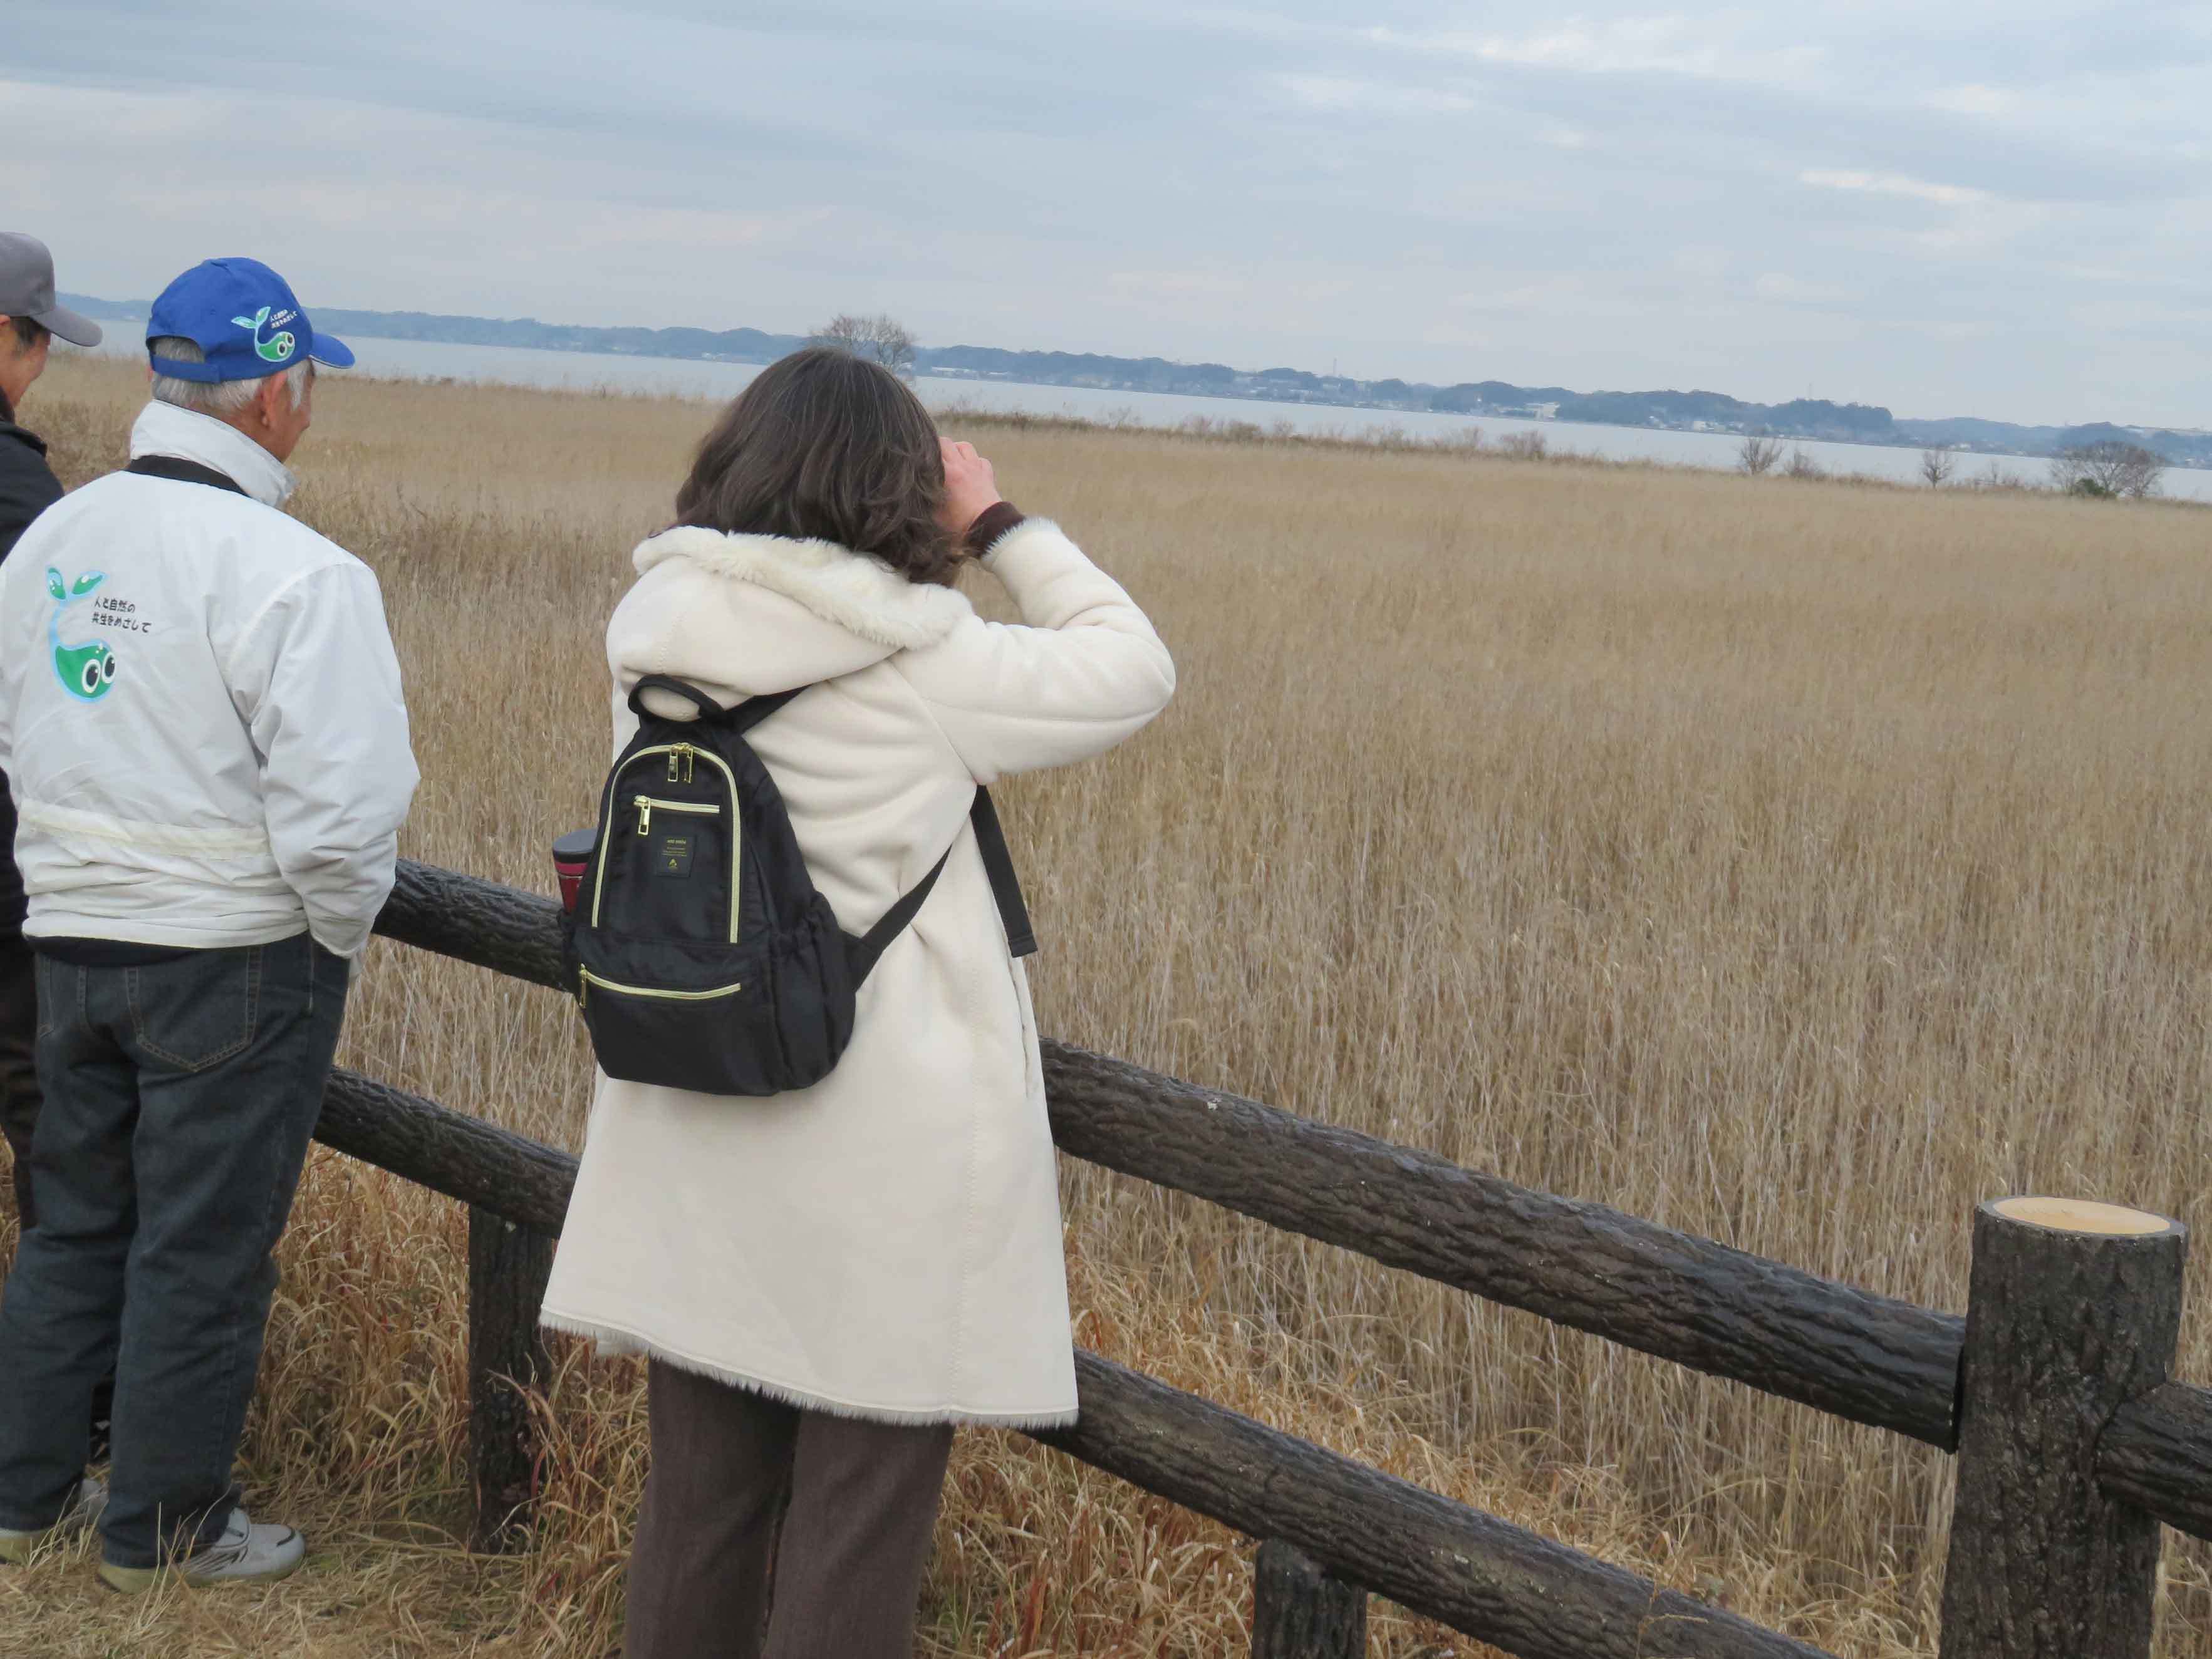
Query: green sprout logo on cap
{"points": [[86, 671], [278, 347]]}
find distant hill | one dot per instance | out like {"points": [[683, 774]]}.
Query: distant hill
{"points": [[1682, 411], [2182, 448], [738, 345]]}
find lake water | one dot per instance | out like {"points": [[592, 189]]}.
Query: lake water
{"points": [[587, 371]]}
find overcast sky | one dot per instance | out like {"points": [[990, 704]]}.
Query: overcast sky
{"points": [[1954, 209]]}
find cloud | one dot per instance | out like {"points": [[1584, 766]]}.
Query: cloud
{"points": [[1891, 184], [1177, 284], [1780, 287], [1333, 92], [1713, 47], [1973, 99], [1886, 201]]}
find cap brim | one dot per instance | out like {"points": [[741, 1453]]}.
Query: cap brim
{"points": [[331, 351], [77, 330]]}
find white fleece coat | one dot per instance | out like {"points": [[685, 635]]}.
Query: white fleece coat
{"points": [[885, 1244]]}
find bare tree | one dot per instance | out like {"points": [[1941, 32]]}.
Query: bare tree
{"points": [[880, 339], [1524, 446], [1802, 465], [2107, 469], [1759, 454], [1935, 467]]}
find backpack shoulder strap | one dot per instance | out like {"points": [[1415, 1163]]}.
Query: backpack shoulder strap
{"points": [[990, 841], [863, 953], [753, 710], [1006, 887]]}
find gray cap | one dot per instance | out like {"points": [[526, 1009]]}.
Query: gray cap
{"points": [[27, 290]]}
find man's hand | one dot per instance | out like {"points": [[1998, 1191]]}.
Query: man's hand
{"points": [[970, 487]]}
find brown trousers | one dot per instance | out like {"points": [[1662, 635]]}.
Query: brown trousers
{"points": [[747, 1496]]}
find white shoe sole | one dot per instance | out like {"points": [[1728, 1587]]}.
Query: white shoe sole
{"points": [[136, 1581], [16, 1548]]}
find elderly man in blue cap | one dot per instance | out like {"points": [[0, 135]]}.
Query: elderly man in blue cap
{"points": [[200, 711]]}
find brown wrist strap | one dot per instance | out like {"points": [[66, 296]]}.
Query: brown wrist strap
{"points": [[993, 522]]}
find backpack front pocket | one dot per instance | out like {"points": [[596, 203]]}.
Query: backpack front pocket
{"points": [[668, 868], [701, 1017]]}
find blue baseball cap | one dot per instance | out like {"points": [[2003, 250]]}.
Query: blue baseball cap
{"points": [[243, 317]]}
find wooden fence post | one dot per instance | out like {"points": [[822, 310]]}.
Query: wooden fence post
{"points": [[508, 1269], [1298, 1611], [2072, 1312]]}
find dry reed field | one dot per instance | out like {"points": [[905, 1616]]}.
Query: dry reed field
{"points": [[1796, 863]]}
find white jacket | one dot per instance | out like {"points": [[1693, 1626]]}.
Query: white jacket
{"points": [[885, 1244], [200, 711]]}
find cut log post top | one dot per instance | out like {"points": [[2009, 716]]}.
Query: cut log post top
{"points": [[2073, 1310], [2085, 1217]]}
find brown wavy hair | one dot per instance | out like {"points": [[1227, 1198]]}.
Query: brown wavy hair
{"points": [[827, 445]]}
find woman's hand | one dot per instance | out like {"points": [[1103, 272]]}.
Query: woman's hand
{"points": [[971, 487]]}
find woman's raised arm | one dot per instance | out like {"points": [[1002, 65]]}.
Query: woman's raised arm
{"points": [[1083, 671]]}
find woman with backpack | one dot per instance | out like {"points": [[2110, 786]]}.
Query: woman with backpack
{"points": [[828, 1278]]}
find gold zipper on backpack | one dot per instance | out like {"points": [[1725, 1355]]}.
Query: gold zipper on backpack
{"points": [[687, 755], [648, 805], [586, 979]]}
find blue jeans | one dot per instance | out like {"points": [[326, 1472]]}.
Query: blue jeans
{"points": [[180, 1097]]}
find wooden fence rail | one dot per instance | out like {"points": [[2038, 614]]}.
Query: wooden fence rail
{"points": [[2140, 1450], [1482, 1576]]}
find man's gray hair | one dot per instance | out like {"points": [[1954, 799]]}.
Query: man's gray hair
{"points": [[221, 398]]}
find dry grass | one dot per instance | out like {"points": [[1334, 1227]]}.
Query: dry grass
{"points": [[1789, 861]]}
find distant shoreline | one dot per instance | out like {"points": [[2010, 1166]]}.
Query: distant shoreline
{"points": [[1703, 413], [1211, 420]]}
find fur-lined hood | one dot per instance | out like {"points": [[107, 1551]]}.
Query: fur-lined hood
{"points": [[761, 614], [858, 593]]}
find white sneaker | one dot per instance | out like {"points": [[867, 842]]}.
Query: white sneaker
{"points": [[82, 1515], [245, 1554]]}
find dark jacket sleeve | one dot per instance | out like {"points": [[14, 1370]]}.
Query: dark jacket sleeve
{"points": [[28, 484], [28, 488]]}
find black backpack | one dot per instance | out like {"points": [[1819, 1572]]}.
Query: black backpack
{"points": [[702, 956]]}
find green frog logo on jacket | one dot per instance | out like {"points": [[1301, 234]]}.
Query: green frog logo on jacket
{"points": [[86, 671]]}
